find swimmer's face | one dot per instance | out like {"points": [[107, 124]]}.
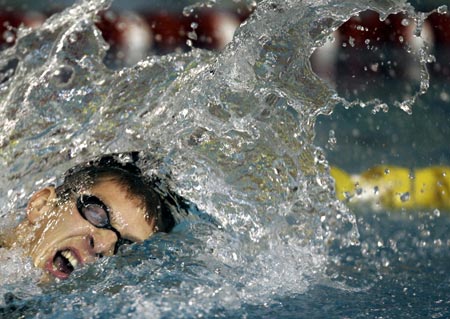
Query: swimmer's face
{"points": [[88, 226]]}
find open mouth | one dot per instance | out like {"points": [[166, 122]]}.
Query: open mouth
{"points": [[64, 263]]}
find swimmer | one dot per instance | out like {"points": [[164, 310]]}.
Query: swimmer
{"points": [[101, 205]]}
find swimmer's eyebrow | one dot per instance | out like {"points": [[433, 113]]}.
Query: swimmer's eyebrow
{"points": [[117, 222], [84, 201], [121, 239]]}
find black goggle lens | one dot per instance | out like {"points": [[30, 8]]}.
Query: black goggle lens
{"points": [[96, 212]]}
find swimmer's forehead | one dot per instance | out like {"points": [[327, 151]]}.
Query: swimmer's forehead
{"points": [[85, 179]]}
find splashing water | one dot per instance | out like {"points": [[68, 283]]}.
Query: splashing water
{"points": [[234, 128]]}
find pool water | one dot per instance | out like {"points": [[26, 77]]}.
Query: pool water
{"points": [[245, 135]]}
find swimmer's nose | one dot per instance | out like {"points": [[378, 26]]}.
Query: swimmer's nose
{"points": [[103, 242]]}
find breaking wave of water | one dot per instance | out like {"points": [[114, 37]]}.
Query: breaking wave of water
{"points": [[236, 131]]}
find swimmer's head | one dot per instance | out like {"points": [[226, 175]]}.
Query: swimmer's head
{"points": [[100, 205], [125, 172]]}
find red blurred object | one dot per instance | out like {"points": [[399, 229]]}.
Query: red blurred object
{"points": [[367, 29], [368, 50], [211, 29], [163, 32], [10, 22], [128, 35], [169, 31], [132, 36], [440, 26]]}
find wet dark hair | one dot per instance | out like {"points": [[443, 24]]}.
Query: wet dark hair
{"points": [[157, 198]]}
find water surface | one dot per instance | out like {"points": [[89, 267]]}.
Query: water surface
{"points": [[236, 130]]}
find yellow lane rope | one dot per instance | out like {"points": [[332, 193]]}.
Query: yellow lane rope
{"points": [[394, 187]]}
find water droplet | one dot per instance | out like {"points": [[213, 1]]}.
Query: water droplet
{"points": [[320, 158], [405, 197], [380, 107], [73, 38], [331, 140], [192, 35], [406, 106], [63, 75], [358, 191], [374, 67], [351, 41], [187, 11], [437, 242], [405, 22], [442, 9], [9, 36], [444, 96], [110, 16], [425, 233]]}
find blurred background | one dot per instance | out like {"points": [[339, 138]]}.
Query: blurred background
{"points": [[367, 57], [135, 29]]}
